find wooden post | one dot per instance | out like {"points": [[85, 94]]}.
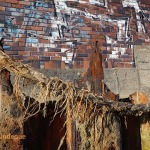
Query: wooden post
{"points": [[69, 132]]}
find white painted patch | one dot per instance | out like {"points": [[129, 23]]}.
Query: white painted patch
{"points": [[69, 54], [1, 25], [63, 50], [131, 3], [134, 3], [111, 56], [122, 50], [82, 2], [46, 49], [63, 58], [99, 2], [110, 40], [121, 35], [115, 50]]}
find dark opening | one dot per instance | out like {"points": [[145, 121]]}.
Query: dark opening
{"points": [[43, 135], [131, 139]]}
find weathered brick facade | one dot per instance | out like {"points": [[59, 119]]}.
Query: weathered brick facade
{"points": [[60, 34]]}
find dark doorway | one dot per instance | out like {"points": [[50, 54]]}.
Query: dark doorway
{"points": [[131, 139], [43, 135]]}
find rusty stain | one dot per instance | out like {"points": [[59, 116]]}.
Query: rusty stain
{"points": [[139, 98], [95, 70], [95, 75]]}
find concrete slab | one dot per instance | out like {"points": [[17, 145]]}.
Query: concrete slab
{"points": [[122, 81], [142, 57], [111, 80], [144, 78]]}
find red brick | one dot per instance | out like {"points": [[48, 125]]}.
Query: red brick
{"points": [[9, 43], [128, 65], [56, 58], [12, 1], [19, 39], [62, 65], [78, 65], [86, 64], [49, 53], [17, 5], [24, 2], [110, 64], [31, 48], [26, 27], [63, 46], [32, 58], [86, 20], [36, 28], [79, 50], [119, 64], [86, 28], [15, 43], [84, 40], [103, 64], [49, 65], [92, 32], [103, 48], [147, 43], [87, 59], [36, 53], [2, 8], [40, 8], [24, 53], [22, 44], [19, 22], [135, 37], [49, 9], [23, 36], [43, 41], [11, 52], [127, 59]]}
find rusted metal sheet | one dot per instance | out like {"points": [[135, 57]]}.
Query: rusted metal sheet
{"points": [[94, 77]]}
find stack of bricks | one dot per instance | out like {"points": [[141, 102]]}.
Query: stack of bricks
{"points": [[60, 34]]}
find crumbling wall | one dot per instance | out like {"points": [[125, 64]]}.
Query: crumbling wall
{"points": [[11, 127], [96, 118], [97, 130]]}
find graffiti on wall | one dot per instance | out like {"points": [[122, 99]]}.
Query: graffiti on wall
{"points": [[46, 25]]}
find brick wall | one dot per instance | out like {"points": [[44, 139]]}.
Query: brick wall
{"points": [[60, 34]]}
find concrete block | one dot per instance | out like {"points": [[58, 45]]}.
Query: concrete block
{"points": [[111, 80], [144, 78], [142, 57], [128, 79], [122, 81]]}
